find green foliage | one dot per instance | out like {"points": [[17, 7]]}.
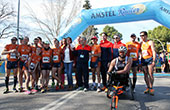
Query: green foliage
{"points": [[111, 31], [161, 34]]}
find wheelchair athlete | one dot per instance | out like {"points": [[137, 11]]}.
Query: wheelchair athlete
{"points": [[119, 68]]}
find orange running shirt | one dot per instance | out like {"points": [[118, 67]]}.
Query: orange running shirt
{"points": [[11, 56], [35, 59], [146, 50], [34, 49], [57, 55], [24, 51], [133, 50], [95, 49], [46, 56]]}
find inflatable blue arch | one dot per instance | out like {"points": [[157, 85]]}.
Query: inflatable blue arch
{"points": [[154, 10]]}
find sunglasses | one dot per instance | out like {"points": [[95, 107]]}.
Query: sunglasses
{"points": [[142, 35], [116, 38]]}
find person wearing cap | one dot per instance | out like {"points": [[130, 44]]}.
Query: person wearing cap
{"points": [[12, 63], [116, 45], [82, 53], [148, 56], [24, 51], [21, 40], [95, 62], [133, 48], [106, 57], [46, 65]]}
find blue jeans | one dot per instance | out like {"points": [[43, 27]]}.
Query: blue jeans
{"points": [[68, 71]]}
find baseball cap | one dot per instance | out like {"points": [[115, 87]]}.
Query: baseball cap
{"points": [[94, 37], [46, 42], [14, 38], [132, 35], [21, 38]]}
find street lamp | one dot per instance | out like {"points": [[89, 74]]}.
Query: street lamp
{"points": [[18, 21]]}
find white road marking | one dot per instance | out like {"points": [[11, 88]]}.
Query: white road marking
{"points": [[54, 105]]}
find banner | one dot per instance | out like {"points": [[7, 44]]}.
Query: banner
{"points": [[153, 10]]}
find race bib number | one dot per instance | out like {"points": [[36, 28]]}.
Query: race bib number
{"points": [[55, 58], [24, 56], [32, 66], [133, 55], [81, 56], [144, 53], [13, 56], [92, 52], [46, 59]]}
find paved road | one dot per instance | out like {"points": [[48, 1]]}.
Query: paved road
{"points": [[91, 100]]}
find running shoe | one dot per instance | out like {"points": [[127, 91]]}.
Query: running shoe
{"points": [[85, 89], [133, 90], [27, 92], [42, 90], [57, 88], [106, 90], [6, 91], [47, 88], [21, 89], [36, 87], [34, 91], [103, 89], [146, 91], [53, 84], [151, 91], [61, 86], [15, 90], [98, 89], [80, 88], [93, 87]]}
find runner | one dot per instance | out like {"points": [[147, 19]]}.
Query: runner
{"points": [[12, 63], [57, 56], [38, 70], [133, 48], [33, 66], [148, 61], [46, 66], [24, 53], [95, 63]]}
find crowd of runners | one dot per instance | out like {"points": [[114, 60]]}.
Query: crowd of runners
{"points": [[35, 63]]}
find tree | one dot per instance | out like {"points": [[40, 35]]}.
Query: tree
{"points": [[57, 16], [7, 14], [91, 30], [111, 31], [159, 35]]}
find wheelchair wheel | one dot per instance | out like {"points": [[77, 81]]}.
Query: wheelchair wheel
{"points": [[109, 92], [131, 89], [114, 102]]}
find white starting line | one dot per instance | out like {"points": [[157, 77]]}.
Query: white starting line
{"points": [[56, 104]]}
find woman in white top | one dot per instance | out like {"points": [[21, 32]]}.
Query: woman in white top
{"points": [[68, 61]]}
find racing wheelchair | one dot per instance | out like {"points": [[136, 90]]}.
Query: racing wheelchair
{"points": [[117, 84]]}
